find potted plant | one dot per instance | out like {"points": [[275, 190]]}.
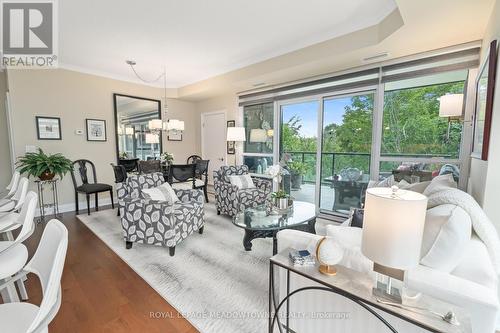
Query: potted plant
{"points": [[297, 172], [123, 155], [281, 199], [44, 166], [168, 158]]}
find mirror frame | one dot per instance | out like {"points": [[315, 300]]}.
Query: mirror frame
{"points": [[115, 95]]}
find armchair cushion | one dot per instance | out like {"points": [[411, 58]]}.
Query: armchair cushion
{"points": [[226, 171], [241, 181], [164, 192]]}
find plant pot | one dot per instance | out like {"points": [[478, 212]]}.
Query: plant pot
{"points": [[46, 175], [283, 203], [296, 180]]}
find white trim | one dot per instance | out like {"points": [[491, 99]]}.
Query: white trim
{"points": [[468, 130], [70, 207], [10, 133], [419, 159]]}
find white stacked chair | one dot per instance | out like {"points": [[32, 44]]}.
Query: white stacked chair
{"points": [[14, 254], [12, 187], [47, 264], [16, 201]]}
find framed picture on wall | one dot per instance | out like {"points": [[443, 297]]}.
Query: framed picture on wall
{"points": [[485, 87], [48, 128], [96, 129], [174, 136], [231, 149]]}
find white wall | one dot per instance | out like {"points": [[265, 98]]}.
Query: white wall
{"points": [[484, 183], [5, 163], [73, 97]]}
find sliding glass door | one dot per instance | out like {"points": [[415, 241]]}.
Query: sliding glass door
{"points": [[299, 146], [347, 124]]}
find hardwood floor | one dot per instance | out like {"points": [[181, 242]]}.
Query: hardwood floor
{"points": [[100, 292]]}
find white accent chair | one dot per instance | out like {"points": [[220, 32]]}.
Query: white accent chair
{"points": [[12, 187], [14, 254], [16, 201], [47, 264]]}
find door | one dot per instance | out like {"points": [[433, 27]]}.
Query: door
{"points": [[213, 140], [346, 151], [299, 144]]}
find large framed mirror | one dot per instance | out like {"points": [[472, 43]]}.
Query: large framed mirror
{"points": [[138, 129]]}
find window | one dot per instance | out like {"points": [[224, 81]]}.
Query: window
{"points": [[411, 122], [258, 149], [415, 139]]}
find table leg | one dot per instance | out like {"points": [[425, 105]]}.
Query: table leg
{"points": [[247, 240], [275, 243], [287, 300]]}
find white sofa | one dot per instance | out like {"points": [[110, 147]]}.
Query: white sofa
{"points": [[472, 285]]}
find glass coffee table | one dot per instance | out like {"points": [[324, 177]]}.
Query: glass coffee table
{"points": [[260, 222]]}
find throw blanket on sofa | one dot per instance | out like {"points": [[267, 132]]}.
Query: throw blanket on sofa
{"points": [[480, 222]]}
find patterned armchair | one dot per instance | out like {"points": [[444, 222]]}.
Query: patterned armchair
{"points": [[157, 223], [229, 200]]}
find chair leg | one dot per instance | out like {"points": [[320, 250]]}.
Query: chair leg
{"points": [[76, 203], [171, 250], [128, 245], [22, 289], [200, 231], [9, 293], [112, 202], [206, 193], [10, 236], [218, 212], [88, 204], [97, 202]]}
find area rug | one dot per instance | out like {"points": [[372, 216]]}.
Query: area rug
{"points": [[217, 285]]}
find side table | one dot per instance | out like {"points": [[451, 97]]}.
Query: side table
{"points": [[357, 287], [42, 204]]}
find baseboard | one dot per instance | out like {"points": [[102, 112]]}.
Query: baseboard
{"points": [[70, 207]]}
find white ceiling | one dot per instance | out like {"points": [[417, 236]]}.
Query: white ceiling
{"points": [[198, 39]]}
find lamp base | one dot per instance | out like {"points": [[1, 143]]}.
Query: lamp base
{"points": [[390, 294], [383, 285], [328, 270]]}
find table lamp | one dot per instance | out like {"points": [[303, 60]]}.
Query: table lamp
{"points": [[393, 227], [236, 134]]}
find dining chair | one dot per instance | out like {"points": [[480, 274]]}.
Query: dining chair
{"points": [[192, 159], [149, 166], [120, 173], [14, 254], [88, 187], [182, 176], [15, 202], [12, 187], [47, 264], [201, 172]]}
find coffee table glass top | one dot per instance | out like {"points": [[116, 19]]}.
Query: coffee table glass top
{"points": [[259, 218]]}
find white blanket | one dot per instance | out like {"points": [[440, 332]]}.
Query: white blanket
{"points": [[481, 224]]}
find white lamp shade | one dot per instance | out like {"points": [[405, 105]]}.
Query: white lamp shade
{"points": [[175, 125], [129, 130], [258, 135], [393, 225], [155, 124], [236, 134], [152, 138], [451, 105]]}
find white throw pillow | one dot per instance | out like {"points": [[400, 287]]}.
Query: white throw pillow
{"points": [[164, 192], [447, 230], [440, 183], [242, 182], [418, 187]]}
